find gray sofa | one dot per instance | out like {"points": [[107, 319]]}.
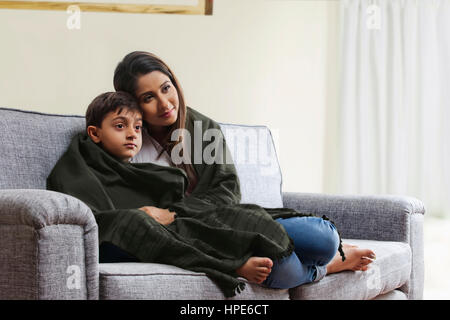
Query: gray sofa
{"points": [[49, 241]]}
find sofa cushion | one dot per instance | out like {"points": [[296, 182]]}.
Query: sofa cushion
{"points": [[152, 281], [392, 295], [389, 271], [253, 151], [32, 142]]}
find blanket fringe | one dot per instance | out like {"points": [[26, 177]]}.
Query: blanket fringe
{"points": [[340, 249], [236, 289], [287, 213], [291, 246], [286, 253], [240, 287]]}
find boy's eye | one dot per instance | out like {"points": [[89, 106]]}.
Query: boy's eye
{"points": [[119, 126], [138, 128]]}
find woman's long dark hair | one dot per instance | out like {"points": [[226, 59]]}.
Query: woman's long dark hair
{"points": [[126, 75]]}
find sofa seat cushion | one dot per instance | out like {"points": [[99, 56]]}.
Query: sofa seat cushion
{"points": [[390, 270], [392, 295], [131, 280]]}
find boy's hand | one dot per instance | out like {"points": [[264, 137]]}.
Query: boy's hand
{"points": [[163, 216]]}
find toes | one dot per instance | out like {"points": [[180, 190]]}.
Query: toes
{"points": [[259, 279], [263, 264], [264, 270], [370, 254], [361, 267], [366, 261], [364, 268], [266, 262], [262, 273]]}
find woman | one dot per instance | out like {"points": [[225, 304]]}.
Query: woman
{"points": [[160, 96]]}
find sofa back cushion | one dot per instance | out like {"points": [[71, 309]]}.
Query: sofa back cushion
{"points": [[253, 151], [32, 143]]}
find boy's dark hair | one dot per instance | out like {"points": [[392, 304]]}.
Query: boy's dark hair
{"points": [[109, 102]]}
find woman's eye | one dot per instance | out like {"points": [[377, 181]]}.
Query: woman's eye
{"points": [[166, 88], [147, 98], [138, 128]]}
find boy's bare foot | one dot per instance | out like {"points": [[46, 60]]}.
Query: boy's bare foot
{"points": [[256, 269], [356, 259]]}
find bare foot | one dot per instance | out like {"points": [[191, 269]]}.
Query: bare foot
{"points": [[356, 259], [256, 269]]}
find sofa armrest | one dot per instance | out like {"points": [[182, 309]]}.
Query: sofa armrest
{"points": [[48, 246], [380, 217], [384, 218]]}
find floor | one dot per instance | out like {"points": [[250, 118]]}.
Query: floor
{"points": [[437, 258]]}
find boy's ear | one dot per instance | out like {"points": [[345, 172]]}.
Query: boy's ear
{"points": [[93, 133]]}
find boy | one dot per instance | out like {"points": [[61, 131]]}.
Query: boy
{"points": [[114, 122]]}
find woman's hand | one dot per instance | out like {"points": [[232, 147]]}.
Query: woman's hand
{"points": [[163, 216]]}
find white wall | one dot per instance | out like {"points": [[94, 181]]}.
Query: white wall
{"points": [[269, 62]]}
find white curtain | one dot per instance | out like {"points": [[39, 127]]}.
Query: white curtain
{"points": [[394, 107]]}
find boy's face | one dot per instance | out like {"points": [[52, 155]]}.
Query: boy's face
{"points": [[120, 134]]}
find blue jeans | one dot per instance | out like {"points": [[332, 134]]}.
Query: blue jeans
{"points": [[316, 242]]}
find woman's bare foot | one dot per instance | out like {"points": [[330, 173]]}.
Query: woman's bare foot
{"points": [[356, 259], [256, 269]]}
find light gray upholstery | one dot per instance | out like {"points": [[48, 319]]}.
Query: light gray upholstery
{"points": [[48, 246], [389, 271], [160, 282], [49, 241], [382, 218], [32, 142], [392, 295]]}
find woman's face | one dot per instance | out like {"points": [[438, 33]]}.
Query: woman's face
{"points": [[158, 98]]}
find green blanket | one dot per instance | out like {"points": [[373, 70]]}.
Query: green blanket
{"points": [[212, 232]]}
